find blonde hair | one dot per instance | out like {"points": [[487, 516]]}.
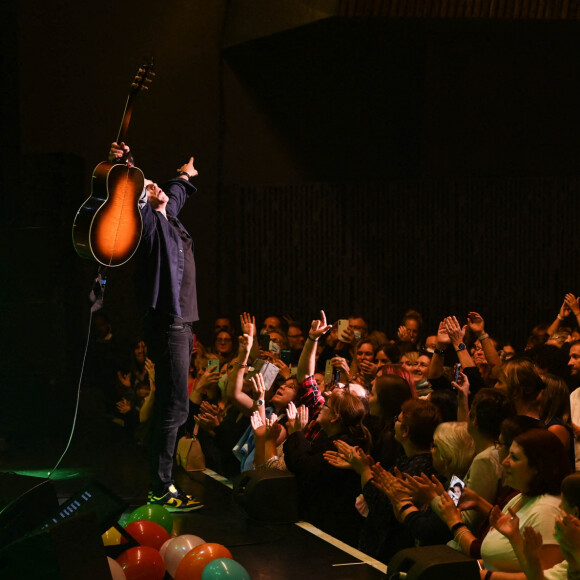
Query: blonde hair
{"points": [[455, 446]]}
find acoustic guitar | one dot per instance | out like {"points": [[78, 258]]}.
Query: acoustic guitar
{"points": [[107, 227]]}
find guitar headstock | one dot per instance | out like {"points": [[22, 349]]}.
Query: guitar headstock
{"points": [[143, 78]]}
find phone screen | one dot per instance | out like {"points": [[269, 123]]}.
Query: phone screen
{"points": [[456, 487]]}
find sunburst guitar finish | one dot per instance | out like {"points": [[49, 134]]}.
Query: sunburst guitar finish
{"points": [[108, 226]]}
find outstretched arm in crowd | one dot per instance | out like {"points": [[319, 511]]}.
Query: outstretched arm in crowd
{"points": [[235, 383], [477, 327], [456, 333], [307, 361], [565, 311], [438, 360]]}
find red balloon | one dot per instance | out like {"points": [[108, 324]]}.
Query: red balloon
{"points": [[147, 533], [142, 563], [193, 563]]}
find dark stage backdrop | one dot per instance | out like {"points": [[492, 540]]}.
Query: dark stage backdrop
{"points": [[501, 247]]}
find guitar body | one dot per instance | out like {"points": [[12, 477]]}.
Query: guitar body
{"points": [[108, 226]]}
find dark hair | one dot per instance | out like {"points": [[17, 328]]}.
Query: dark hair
{"points": [[546, 454], [421, 419], [555, 401], [392, 391], [571, 489], [490, 407], [446, 401], [400, 371], [351, 412], [522, 380], [391, 351], [513, 426]]}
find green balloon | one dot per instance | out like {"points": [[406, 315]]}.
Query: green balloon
{"points": [[152, 513], [224, 569]]}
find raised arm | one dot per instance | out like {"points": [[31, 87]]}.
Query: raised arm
{"points": [[235, 383], [477, 326], [456, 334], [307, 361], [438, 360]]}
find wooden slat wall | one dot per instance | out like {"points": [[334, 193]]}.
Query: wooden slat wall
{"points": [[492, 9], [505, 248]]}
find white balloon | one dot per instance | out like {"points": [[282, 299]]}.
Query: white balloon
{"points": [[164, 547], [176, 550], [116, 570]]}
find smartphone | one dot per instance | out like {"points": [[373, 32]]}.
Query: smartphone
{"points": [[456, 487], [264, 341], [328, 372], [286, 356], [213, 364], [457, 372], [342, 326]]}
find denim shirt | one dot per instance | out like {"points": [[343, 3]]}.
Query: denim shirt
{"points": [[160, 265]]}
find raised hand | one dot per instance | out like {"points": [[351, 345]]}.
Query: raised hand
{"points": [[532, 544], [118, 152], [291, 417], [123, 406], [273, 428], [476, 323], [462, 385], [572, 303], [150, 369], [248, 324], [340, 362], [258, 425], [404, 334], [245, 343], [302, 417], [454, 330], [506, 524], [319, 327], [368, 368], [442, 335], [188, 168], [258, 387]]}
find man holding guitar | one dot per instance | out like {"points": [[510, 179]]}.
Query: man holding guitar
{"points": [[166, 291]]}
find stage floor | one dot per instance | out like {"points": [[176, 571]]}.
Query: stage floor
{"points": [[266, 550]]}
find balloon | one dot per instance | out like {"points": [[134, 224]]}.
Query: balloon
{"points": [[164, 547], [111, 537], [116, 570], [196, 560], [177, 548], [147, 533], [152, 513], [142, 563], [224, 568]]}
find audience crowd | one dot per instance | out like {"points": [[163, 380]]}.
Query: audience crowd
{"points": [[412, 438]]}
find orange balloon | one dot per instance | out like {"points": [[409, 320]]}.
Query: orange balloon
{"points": [[193, 563]]}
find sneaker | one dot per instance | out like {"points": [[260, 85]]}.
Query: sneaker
{"points": [[173, 490], [175, 501]]}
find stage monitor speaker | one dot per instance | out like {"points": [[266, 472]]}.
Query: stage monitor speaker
{"points": [[25, 503], [70, 550], [267, 495], [432, 563]]}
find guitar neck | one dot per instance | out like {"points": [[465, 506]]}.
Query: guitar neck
{"points": [[126, 119]]}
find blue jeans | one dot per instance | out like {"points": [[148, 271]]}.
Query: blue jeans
{"points": [[169, 347]]}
